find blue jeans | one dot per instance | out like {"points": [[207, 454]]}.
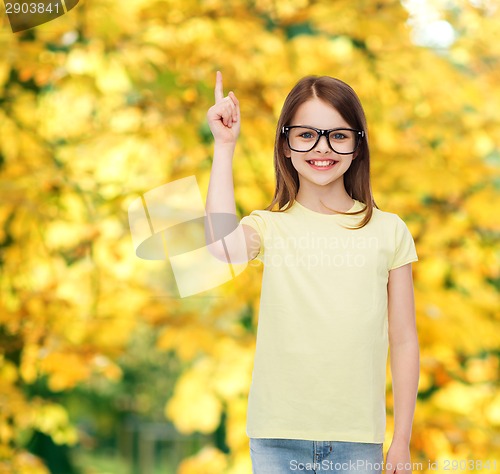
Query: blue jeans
{"points": [[284, 456]]}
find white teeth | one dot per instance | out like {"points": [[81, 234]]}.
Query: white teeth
{"points": [[322, 163]]}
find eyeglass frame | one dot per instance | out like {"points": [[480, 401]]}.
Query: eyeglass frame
{"points": [[326, 133]]}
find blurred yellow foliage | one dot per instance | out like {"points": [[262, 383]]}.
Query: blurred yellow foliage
{"points": [[195, 405], [53, 420], [64, 370], [109, 101], [22, 463], [209, 461]]}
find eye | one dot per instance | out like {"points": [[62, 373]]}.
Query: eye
{"points": [[307, 135], [338, 136]]}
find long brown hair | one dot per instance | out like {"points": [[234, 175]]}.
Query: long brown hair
{"points": [[342, 97]]}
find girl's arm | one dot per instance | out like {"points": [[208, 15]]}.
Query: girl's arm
{"points": [[405, 365], [224, 122]]}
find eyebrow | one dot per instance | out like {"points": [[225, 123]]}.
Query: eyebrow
{"points": [[343, 127]]}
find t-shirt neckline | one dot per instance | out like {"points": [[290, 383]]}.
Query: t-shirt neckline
{"points": [[357, 206]]}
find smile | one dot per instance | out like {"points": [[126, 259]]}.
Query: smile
{"points": [[322, 164]]}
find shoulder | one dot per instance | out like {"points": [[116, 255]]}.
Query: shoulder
{"points": [[266, 215], [390, 224], [395, 229], [398, 238], [386, 218], [384, 214], [266, 221], [259, 219], [257, 215], [260, 212]]}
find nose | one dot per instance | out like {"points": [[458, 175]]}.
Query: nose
{"points": [[323, 146]]}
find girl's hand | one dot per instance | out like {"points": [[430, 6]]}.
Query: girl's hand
{"points": [[224, 117], [398, 459]]}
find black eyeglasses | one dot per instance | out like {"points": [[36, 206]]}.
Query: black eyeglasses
{"points": [[343, 141]]}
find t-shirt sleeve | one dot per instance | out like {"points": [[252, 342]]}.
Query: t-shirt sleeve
{"points": [[404, 251], [257, 221]]}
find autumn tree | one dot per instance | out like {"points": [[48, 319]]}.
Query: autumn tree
{"points": [[109, 101]]}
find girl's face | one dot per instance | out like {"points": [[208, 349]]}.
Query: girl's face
{"points": [[318, 114]]}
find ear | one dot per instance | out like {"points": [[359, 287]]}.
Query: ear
{"points": [[286, 150], [356, 153]]}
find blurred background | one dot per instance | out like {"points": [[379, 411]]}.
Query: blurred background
{"points": [[104, 369]]}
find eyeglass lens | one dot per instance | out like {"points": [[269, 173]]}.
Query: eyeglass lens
{"points": [[304, 139]]}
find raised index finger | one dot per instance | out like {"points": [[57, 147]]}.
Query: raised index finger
{"points": [[219, 93]]}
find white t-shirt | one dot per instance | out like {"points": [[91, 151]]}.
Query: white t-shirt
{"points": [[322, 339]]}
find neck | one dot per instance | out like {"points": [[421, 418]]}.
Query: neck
{"points": [[317, 198]]}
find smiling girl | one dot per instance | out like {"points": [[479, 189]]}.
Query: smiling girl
{"points": [[337, 291]]}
